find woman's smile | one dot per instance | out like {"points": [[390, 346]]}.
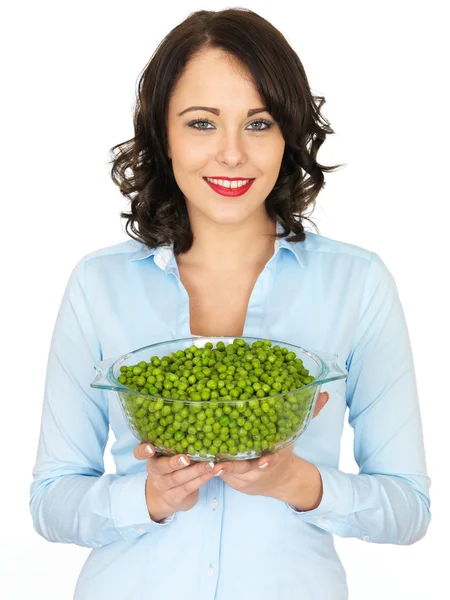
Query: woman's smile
{"points": [[234, 188]]}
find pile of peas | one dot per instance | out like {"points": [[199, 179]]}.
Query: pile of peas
{"points": [[234, 400]]}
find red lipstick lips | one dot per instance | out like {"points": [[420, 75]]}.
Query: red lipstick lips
{"points": [[224, 191]]}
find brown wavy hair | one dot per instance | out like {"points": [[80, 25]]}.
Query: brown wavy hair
{"points": [[141, 167]]}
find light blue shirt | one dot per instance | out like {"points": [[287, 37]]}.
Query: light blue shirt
{"points": [[319, 294]]}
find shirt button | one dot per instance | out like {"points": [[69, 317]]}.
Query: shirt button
{"points": [[140, 530], [210, 571], [214, 503], [366, 538], [320, 520]]}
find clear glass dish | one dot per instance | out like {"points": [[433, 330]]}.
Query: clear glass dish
{"points": [[249, 428]]}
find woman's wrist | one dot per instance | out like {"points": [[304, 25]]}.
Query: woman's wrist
{"points": [[157, 509], [305, 490], [159, 516]]}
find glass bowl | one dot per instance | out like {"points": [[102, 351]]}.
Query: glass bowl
{"points": [[223, 427]]}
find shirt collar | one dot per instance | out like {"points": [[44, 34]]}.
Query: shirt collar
{"points": [[164, 254]]}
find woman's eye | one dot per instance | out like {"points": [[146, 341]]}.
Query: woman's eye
{"points": [[196, 125], [193, 124], [262, 122]]}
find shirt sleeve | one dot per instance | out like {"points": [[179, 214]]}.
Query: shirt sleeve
{"points": [[72, 500], [388, 500]]}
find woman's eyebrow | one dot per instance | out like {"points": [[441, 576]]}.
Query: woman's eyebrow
{"points": [[216, 111]]}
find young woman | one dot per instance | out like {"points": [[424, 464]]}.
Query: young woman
{"points": [[225, 99]]}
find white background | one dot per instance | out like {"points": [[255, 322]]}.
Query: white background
{"points": [[71, 70]]}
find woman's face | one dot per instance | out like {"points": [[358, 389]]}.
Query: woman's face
{"points": [[230, 144]]}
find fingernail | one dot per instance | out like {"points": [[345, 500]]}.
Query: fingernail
{"points": [[263, 466], [210, 466], [149, 450], [183, 461], [219, 473], [328, 395]]}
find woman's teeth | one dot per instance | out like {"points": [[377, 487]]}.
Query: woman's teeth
{"points": [[228, 184]]}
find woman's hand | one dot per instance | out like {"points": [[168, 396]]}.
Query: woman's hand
{"points": [[172, 485], [272, 475]]}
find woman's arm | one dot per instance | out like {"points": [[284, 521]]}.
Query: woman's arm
{"points": [[71, 499], [388, 501]]}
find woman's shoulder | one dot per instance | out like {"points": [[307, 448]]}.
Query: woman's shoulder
{"points": [[316, 243], [122, 251], [107, 261], [320, 252]]}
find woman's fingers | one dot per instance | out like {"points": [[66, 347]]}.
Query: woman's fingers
{"points": [[321, 401], [198, 472], [160, 465], [170, 466], [144, 451], [177, 494], [236, 467], [167, 464]]}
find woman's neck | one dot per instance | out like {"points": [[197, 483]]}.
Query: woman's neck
{"points": [[230, 249]]}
